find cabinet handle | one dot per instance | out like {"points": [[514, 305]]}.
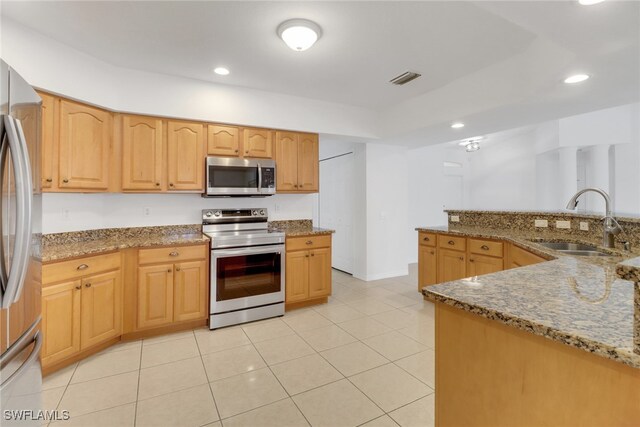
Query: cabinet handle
{"points": [[246, 152], [432, 253], [88, 285], [66, 181], [470, 260], [169, 271], [461, 258], [307, 256], [177, 268], [236, 151], [451, 242], [157, 184], [174, 253], [82, 267], [308, 242], [484, 247], [313, 254], [296, 185], [426, 239], [49, 180], [301, 185], [171, 184], [78, 287]]}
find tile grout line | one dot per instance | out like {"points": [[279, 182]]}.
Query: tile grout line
{"points": [[135, 412], [206, 374]]}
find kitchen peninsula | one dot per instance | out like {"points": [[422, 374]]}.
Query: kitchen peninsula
{"points": [[551, 343]]}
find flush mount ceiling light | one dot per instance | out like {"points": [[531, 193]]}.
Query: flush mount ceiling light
{"points": [[457, 125], [576, 78], [222, 71], [589, 2], [299, 34]]}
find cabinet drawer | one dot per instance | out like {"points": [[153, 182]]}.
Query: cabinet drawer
{"points": [[171, 254], [428, 239], [67, 270], [486, 247], [451, 242], [309, 242]]}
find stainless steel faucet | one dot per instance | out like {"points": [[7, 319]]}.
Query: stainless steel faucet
{"points": [[611, 226]]}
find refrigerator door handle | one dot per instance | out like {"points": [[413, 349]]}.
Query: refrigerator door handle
{"points": [[35, 353], [20, 260]]}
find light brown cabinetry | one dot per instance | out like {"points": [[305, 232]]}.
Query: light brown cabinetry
{"points": [[143, 159], [257, 143], [297, 162], [446, 257], [48, 154], [223, 140], [308, 269], [81, 306], [174, 291], [185, 155], [233, 141], [84, 143]]}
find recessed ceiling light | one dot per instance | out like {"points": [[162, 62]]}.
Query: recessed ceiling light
{"points": [[457, 125], [221, 71], [299, 34], [576, 78], [589, 2]]}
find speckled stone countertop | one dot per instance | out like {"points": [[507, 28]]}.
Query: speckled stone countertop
{"points": [[296, 228], [60, 246], [578, 301]]}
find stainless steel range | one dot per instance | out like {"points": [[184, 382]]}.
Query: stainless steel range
{"points": [[247, 266]]}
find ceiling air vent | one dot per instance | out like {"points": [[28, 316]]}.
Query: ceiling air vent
{"points": [[404, 78]]}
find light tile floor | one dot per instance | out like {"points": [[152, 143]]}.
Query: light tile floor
{"points": [[365, 358]]}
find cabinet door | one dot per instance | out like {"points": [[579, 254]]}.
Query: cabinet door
{"points": [[84, 145], [48, 157], [320, 273], [451, 265], [297, 276], [101, 308], [427, 266], [482, 264], [142, 154], [257, 143], [519, 257], [308, 163], [155, 295], [185, 155], [190, 291], [223, 141], [286, 162], [60, 321]]}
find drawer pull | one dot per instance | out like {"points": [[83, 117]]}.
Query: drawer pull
{"points": [[432, 253], [82, 267], [169, 271], [236, 151], [177, 268], [174, 253], [313, 254], [157, 184], [426, 239], [484, 247], [451, 242], [88, 285], [307, 256], [66, 181], [308, 242], [78, 287], [49, 180], [461, 258], [471, 260]]}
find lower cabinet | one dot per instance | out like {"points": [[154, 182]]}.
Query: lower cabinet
{"points": [[444, 257], [308, 271], [79, 313], [171, 292]]}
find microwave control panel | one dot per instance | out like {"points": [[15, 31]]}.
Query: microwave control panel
{"points": [[268, 177]]}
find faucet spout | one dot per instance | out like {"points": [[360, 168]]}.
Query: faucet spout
{"points": [[611, 226]]}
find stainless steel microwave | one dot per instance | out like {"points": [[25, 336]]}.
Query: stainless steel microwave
{"points": [[227, 177]]}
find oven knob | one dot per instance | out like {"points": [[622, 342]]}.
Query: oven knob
{"points": [[254, 213], [209, 214], [217, 213], [262, 212]]}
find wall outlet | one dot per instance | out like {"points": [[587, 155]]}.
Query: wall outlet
{"points": [[541, 223], [454, 218], [584, 226], [146, 211], [563, 224]]}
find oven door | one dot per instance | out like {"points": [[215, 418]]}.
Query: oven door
{"points": [[233, 177], [246, 277]]}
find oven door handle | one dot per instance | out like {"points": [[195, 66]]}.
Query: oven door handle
{"points": [[219, 253]]}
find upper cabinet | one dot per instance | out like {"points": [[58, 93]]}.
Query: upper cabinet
{"points": [[233, 141], [185, 154], [142, 153], [84, 145], [223, 141], [297, 162]]}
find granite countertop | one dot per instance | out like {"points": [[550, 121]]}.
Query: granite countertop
{"points": [[578, 301], [60, 246], [296, 228]]}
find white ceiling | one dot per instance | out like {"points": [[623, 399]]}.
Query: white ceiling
{"points": [[365, 44]]}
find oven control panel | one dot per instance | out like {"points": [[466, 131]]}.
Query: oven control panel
{"points": [[212, 216], [268, 177]]}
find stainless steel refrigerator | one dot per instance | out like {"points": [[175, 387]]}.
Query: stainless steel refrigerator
{"points": [[20, 260]]}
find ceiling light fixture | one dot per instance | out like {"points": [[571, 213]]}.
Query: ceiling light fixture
{"points": [[457, 125], [299, 34], [589, 2], [471, 144], [471, 147], [576, 78], [221, 71]]}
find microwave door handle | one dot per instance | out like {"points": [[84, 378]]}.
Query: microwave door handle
{"points": [[19, 260], [259, 178]]}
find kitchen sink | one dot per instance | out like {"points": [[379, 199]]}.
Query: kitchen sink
{"points": [[577, 249]]}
